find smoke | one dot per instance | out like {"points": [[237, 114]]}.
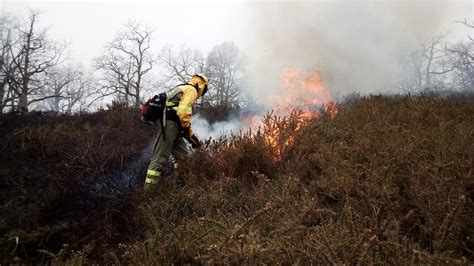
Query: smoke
{"points": [[203, 129], [357, 45]]}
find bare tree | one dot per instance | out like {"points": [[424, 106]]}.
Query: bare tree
{"points": [[80, 93], [469, 25], [440, 65], [179, 65], [460, 59], [224, 67], [31, 56], [56, 81], [72, 88], [426, 67], [6, 70], [125, 62]]}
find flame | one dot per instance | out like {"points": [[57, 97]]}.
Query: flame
{"points": [[304, 90], [301, 92]]}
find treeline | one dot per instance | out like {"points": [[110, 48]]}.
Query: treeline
{"points": [[36, 73], [439, 65]]}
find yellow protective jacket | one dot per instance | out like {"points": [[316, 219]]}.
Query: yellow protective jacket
{"points": [[183, 97]]}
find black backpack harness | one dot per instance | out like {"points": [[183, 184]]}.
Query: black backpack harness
{"points": [[157, 109]]}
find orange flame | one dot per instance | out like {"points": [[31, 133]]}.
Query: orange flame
{"points": [[300, 92]]}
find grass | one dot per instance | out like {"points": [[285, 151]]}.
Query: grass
{"points": [[387, 180]]}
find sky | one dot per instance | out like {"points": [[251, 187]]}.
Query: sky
{"points": [[358, 45], [88, 25]]}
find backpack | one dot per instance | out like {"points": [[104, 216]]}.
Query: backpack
{"points": [[153, 109]]}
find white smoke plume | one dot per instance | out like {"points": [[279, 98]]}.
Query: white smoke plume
{"points": [[357, 45], [204, 130]]}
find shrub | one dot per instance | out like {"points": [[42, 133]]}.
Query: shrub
{"points": [[386, 180]]}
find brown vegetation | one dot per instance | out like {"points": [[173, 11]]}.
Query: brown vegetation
{"points": [[387, 180]]}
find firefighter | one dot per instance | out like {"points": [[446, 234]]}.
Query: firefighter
{"points": [[176, 126]]}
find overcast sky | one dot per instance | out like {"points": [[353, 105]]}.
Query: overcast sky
{"points": [[88, 25], [357, 44]]}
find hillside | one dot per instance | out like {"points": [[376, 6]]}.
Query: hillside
{"points": [[386, 180]]}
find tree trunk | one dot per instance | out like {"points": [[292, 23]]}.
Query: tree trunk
{"points": [[23, 102], [2, 94], [69, 108], [56, 101], [26, 66], [137, 98]]}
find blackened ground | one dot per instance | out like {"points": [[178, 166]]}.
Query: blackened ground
{"points": [[59, 174]]}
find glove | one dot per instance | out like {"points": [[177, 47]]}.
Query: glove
{"points": [[187, 133], [193, 140], [195, 143]]}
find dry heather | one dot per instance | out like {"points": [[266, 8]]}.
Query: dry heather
{"points": [[387, 180]]}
